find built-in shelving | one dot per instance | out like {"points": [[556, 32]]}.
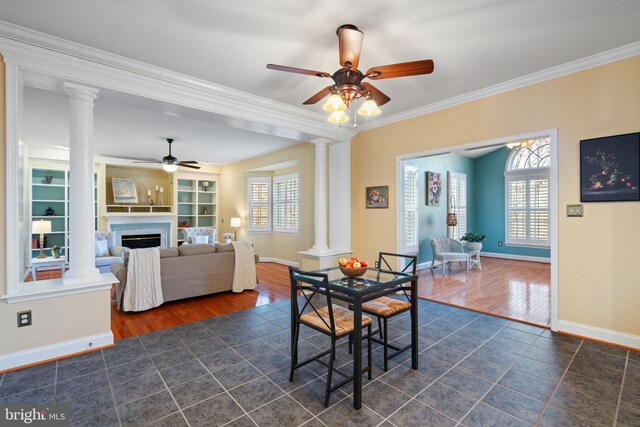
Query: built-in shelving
{"points": [[197, 202], [50, 189], [139, 209]]}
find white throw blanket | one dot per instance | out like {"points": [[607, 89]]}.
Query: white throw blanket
{"points": [[144, 290], [244, 273]]}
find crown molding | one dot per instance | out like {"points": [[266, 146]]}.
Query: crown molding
{"points": [[68, 61], [596, 60]]}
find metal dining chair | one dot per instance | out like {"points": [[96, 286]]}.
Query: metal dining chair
{"points": [[332, 320], [385, 308]]}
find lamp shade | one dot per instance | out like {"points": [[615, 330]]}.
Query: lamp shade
{"points": [[369, 108], [235, 222], [39, 227]]}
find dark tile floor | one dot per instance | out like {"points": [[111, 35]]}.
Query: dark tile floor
{"points": [[475, 370]]}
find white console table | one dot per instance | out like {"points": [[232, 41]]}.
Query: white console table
{"points": [[37, 263]]}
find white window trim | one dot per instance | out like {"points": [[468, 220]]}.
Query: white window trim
{"points": [[281, 178], [460, 177], [526, 175], [250, 204], [406, 208]]}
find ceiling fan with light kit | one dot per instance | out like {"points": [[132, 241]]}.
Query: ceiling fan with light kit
{"points": [[170, 163], [348, 81]]}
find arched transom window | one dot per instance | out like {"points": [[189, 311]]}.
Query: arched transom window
{"points": [[527, 193]]}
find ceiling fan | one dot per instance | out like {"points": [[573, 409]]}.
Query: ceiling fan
{"points": [[170, 163], [348, 80]]}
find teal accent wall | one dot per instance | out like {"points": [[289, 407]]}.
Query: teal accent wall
{"points": [[485, 204], [433, 219], [489, 214]]}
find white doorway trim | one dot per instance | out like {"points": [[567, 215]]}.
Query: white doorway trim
{"points": [[553, 196]]}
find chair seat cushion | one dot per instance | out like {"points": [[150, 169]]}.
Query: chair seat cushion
{"points": [[453, 256], [342, 318], [385, 306]]}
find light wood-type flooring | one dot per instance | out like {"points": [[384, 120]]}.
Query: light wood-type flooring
{"points": [[516, 290]]}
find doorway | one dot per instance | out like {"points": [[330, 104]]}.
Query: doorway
{"points": [[519, 275]]}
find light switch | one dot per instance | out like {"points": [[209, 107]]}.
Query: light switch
{"points": [[575, 210]]}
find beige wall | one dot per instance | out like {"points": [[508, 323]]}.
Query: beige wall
{"points": [[233, 201], [55, 320], [599, 255]]}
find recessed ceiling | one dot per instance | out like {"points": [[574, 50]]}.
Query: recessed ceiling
{"points": [[136, 127]]}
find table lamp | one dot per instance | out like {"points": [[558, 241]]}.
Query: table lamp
{"points": [[235, 224], [41, 227]]}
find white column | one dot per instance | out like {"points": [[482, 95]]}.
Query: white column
{"points": [[81, 206], [320, 207]]}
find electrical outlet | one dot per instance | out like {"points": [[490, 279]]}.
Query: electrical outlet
{"points": [[499, 242], [24, 318], [575, 210]]}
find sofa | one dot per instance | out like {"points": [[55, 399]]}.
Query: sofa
{"points": [[187, 271], [115, 255]]}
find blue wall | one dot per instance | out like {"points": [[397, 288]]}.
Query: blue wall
{"points": [[485, 204], [432, 220], [489, 205]]}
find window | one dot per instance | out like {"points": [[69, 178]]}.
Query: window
{"points": [[259, 204], [285, 203], [457, 187], [410, 208], [527, 193]]}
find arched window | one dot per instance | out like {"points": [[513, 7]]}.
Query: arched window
{"points": [[527, 193]]}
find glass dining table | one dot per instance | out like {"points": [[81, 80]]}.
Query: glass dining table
{"points": [[358, 290]]}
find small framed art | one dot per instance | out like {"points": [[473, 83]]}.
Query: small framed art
{"points": [[377, 197]]}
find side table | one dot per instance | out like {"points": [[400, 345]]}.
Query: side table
{"points": [[474, 259], [49, 261]]}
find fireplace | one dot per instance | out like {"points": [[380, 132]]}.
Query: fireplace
{"points": [[136, 241]]}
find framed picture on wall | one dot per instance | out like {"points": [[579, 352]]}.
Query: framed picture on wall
{"points": [[433, 187], [124, 190], [377, 197], [610, 168]]}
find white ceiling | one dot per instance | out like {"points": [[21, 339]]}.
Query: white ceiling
{"points": [[475, 43]]}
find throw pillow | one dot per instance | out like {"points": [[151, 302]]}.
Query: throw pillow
{"points": [[202, 239], [102, 248]]}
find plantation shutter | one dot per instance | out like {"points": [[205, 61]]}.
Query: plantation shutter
{"points": [[259, 197], [410, 209], [457, 187], [527, 206], [285, 203]]}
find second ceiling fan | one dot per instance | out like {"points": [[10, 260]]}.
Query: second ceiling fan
{"points": [[348, 80], [170, 163]]}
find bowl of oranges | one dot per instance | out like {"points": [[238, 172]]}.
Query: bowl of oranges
{"points": [[353, 267]]}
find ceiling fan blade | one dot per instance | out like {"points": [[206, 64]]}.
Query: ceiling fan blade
{"points": [[403, 69], [150, 160], [181, 164], [187, 161], [297, 70], [377, 95], [318, 96], [350, 45]]}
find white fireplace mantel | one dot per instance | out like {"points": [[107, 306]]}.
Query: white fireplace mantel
{"points": [[121, 224]]}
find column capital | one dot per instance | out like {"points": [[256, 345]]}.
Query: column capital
{"points": [[321, 142], [76, 91]]}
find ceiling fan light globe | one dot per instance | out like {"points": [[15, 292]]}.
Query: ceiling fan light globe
{"points": [[334, 103], [170, 167], [369, 108], [338, 117]]}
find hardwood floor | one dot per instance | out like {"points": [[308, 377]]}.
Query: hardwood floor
{"points": [[517, 290]]}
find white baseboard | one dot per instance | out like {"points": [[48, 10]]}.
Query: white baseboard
{"points": [[53, 351], [424, 266], [280, 261], [516, 257], [600, 334]]}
